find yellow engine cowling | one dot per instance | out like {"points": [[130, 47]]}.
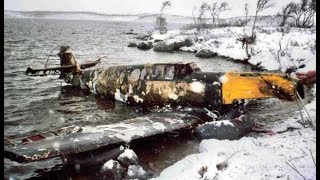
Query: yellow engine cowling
{"points": [[237, 86]]}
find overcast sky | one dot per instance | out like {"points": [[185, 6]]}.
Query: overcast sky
{"points": [[178, 7]]}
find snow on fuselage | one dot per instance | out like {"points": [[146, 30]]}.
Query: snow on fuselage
{"points": [[183, 84]]}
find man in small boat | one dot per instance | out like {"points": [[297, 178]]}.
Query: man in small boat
{"points": [[67, 58]]}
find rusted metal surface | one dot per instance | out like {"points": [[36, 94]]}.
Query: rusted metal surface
{"points": [[93, 138], [182, 84], [153, 85]]}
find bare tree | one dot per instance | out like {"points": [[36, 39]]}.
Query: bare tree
{"points": [[304, 13], [261, 5], [200, 19], [164, 5], [161, 22], [287, 12], [216, 9], [194, 17], [247, 11]]}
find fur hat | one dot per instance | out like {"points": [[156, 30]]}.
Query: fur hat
{"points": [[63, 49]]}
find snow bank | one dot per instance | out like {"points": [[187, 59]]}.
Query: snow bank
{"points": [[266, 156], [263, 157], [297, 48], [169, 35], [297, 45], [195, 166]]}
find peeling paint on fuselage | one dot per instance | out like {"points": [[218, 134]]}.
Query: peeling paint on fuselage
{"points": [[159, 85], [152, 85]]}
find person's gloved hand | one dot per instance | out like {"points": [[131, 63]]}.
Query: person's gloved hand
{"points": [[307, 78]]}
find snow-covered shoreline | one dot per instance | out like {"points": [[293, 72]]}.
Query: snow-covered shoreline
{"points": [[267, 156], [263, 157], [298, 45]]}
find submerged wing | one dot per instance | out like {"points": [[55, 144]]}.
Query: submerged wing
{"points": [[92, 138]]}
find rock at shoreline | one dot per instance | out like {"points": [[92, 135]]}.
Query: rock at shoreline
{"points": [[185, 43], [132, 44], [172, 45], [131, 33], [128, 157], [136, 172], [157, 40], [112, 170], [205, 53], [163, 46], [144, 45], [225, 129]]}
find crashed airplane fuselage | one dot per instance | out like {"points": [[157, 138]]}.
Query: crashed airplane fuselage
{"points": [[183, 84], [149, 85]]}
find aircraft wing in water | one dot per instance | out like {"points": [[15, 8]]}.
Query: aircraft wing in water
{"points": [[92, 138]]}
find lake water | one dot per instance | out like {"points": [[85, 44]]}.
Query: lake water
{"points": [[35, 104]]}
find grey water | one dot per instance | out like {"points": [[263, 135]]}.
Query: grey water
{"points": [[37, 104], [42, 103]]}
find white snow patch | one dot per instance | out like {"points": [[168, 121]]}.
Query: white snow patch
{"points": [[221, 122], [127, 137], [119, 96], [128, 153], [56, 145], [108, 165], [124, 131], [135, 170], [188, 49], [173, 96], [214, 83], [137, 98], [197, 87], [130, 89], [170, 34], [171, 121], [189, 167], [159, 126]]}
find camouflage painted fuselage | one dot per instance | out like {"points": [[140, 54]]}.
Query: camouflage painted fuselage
{"points": [[152, 85]]}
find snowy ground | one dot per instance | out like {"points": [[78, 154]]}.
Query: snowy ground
{"points": [[297, 45], [266, 156], [262, 157]]}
